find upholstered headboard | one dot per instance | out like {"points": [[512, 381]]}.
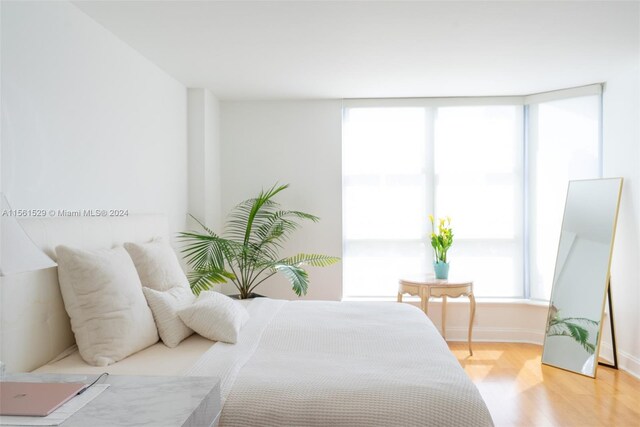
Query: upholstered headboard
{"points": [[34, 326]]}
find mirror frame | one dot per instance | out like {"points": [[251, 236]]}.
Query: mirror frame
{"points": [[606, 287]]}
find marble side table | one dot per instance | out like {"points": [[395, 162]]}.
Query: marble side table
{"points": [[143, 400]]}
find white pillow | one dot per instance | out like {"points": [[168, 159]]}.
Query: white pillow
{"points": [[215, 316], [103, 297], [157, 265], [165, 306]]}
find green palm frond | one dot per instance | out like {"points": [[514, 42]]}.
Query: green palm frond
{"points": [[207, 229], [580, 321], [298, 278], [252, 213], [202, 280], [247, 255], [314, 260], [278, 224], [277, 228], [570, 327], [589, 347], [578, 333], [204, 250]]}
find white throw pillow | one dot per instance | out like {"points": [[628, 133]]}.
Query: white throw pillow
{"points": [[215, 316], [157, 265], [165, 306], [103, 297]]}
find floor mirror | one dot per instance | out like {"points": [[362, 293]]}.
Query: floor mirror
{"points": [[581, 280]]}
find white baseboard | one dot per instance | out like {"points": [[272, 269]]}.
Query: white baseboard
{"points": [[626, 361], [480, 334]]}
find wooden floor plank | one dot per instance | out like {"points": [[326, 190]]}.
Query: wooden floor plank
{"points": [[520, 391]]}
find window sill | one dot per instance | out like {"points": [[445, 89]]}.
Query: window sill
{"points": [[479, 300]]}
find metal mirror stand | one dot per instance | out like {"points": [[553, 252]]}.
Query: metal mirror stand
{"points": [[613, 332]]}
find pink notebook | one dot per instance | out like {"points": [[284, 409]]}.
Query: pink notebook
{"points": [[35, 399]]}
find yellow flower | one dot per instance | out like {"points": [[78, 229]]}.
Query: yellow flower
{"points": [[441, 237]]}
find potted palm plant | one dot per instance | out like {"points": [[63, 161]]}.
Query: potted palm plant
{"points": [[247, 254]]}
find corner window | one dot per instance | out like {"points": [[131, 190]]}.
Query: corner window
{"points": [[497, 166]]}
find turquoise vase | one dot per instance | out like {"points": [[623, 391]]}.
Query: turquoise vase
{"points": [[442, 269]]}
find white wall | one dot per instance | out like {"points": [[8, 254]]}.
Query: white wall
{"points": [[298, 143], [87, 122], [621, 136], [204, 158]]}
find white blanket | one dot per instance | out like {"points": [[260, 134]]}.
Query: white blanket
{"points": [[313, 363]]}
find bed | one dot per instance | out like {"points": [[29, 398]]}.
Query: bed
{"points": [[296, 362]]}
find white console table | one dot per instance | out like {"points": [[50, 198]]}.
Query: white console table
{"points": [[143, 400]]}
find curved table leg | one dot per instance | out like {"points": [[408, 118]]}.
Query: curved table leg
{"points": [[472, 314], [399, 296]]}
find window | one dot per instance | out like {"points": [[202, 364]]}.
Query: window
{"points": [[478, 177], [492, 164], [564, 144], [384, 204]]}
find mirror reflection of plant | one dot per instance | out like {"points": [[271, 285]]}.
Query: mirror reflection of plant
{"points": [[248, 254], [573, 327], [442, 241]]}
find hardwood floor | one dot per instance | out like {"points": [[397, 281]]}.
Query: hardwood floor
{"points": [[519, 391]]}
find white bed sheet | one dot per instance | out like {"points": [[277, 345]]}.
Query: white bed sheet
{"points": [[155, 360], [320, 363]]}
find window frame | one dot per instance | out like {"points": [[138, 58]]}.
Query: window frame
{"points": [[536, 99], [525, 101]]}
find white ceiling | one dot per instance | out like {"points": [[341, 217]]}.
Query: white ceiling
{"points": [[349, 49]]}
